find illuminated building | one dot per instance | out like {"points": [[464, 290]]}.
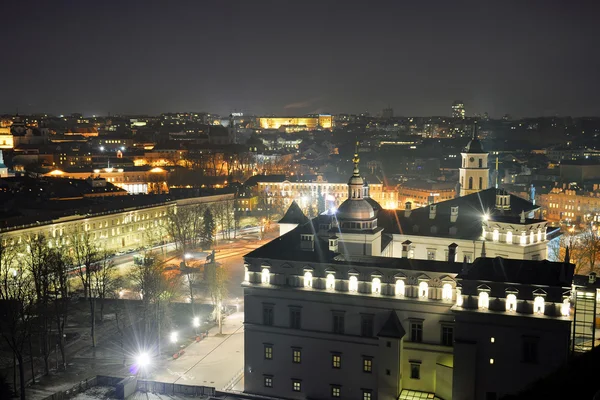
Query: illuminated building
{"points": [[474, 171], [458, 109], [371, 304], [569, 205], [424, 193], [135, 180], [309, 123], [6, 138]]}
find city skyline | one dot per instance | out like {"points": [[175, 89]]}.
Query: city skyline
{"points": [[263, 58]]}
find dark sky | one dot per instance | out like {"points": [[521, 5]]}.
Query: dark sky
{"points": [[293, 57]]}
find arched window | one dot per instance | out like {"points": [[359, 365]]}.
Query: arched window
{"points": [[246, 274], [376, 286], [565, 308], [423, 290], [330, 282], [511, 302], [353, 286], [531, 237], [484, 301], [459, 298], [265, 276], [400, 288], [539, 235], [539, 305], [509, 237], [308, 279], [447, 291], [480, 166], [470, 182], [480, 183]]}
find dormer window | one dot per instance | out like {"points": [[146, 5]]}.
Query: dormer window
{"points": [[376, 286], [459, 298], [539, 305], [308, 279], [496, 235], [423, 290], [330, 282], [400, 287], [265, 276], [483, 303], [447, 291], [353, 284], [511, 302]]}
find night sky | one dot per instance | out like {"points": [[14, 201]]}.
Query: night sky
{"points": [[524, 58]]}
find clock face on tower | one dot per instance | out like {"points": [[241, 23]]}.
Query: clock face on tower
{"points": [[471, 159]]}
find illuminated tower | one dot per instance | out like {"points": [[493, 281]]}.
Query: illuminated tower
{"points": [[458, 109], [474, 171]]}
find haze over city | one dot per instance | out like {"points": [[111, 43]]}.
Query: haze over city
{"points": [[530, 58]]}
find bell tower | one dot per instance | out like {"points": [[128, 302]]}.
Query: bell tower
{"points": [[474, 171]]}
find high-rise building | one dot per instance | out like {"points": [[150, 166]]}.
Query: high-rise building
{"points": [[458, 109], [474, 171]]}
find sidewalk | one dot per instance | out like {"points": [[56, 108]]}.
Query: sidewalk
{"points": [[213, 361]]}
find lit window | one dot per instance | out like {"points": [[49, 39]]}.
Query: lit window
{"points": [[268, 351], [336, 361], [336, 391], [565, 308], [492, 340], [268, 381], [353, 286], [491, 361], [423, 290], [367, 394], [400, 288], [531, 237], [523, 238], [330, 282], [484, 301], [265, 277], [511, 302], [367, 364], [509, 237], [495, 235], [246, 274], [376, 286], [447, 291], [296, 356], [296, 385], [539, 235], [539, 305], [308, 278], [459, 298]]}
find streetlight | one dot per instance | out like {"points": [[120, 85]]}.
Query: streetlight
{"points": [[173, 337], [196, 322], [142, 360]]}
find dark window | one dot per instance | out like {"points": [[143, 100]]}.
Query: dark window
{"points": [[480, 183], [338, 323], [416, 331], [295, 318], [470, 182], [268, 381], [267, 314], [367, 394], [388, 372], [268, 351], [480, 164], [366, 325], [296, 356], [336, 391], [296, 385], [530, 350], [367, 364], [388, 344], [336, 360], [447, 336], [415, 371]]}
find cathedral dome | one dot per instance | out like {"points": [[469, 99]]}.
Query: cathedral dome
{"points": [[356, 210]]}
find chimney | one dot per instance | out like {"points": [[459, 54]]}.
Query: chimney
{"points": [[333, 244], [408, 208], [453, 213], [432, 210], [307, 242], [452, 252]]}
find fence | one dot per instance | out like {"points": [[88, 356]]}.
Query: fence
{"points": [[82, 386]]}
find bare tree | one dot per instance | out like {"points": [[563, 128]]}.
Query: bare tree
{"points": [[216, 279], [104, 280], [85, 255], [17, 293], [59, 264], [589, 242]]}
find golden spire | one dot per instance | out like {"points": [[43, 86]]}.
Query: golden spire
{"points": [[356, 160]]}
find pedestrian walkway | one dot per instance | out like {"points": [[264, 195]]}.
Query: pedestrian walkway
{"points": [[214, 361]]}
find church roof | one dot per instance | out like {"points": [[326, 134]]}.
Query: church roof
{"points": [[294, 215], [471, 209], [474, 146], [392, 328]]}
